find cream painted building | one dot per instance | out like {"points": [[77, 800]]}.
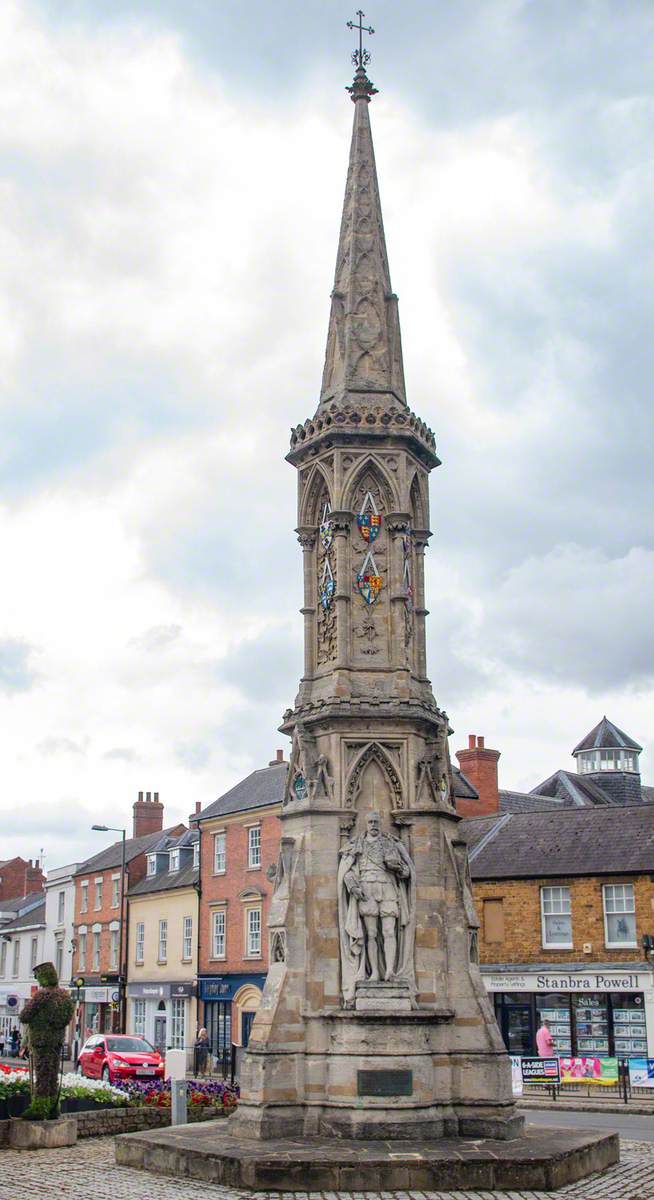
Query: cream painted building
{"points": [[162, 946]]}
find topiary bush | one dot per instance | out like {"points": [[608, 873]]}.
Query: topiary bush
{"points": [[46, 1016]]}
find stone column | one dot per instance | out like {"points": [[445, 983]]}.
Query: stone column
{"points": [[397, 525], [306, 536], [341, 522], [420, 541]]}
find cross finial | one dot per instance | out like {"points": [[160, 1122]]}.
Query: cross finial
{"points": [[360, 57], [361, 88]]}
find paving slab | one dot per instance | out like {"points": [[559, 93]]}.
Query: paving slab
{"points": [[539, 1160]]}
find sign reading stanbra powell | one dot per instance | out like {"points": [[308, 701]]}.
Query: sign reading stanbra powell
{"points": [[591, 981]]}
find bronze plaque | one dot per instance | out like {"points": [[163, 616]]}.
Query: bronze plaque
{"points": [[385, 1083]]}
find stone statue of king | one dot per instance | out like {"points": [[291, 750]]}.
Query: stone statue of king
{"points": [[376, 900]]}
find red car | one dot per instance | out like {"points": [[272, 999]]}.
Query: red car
{"points": [[116, 1056]]}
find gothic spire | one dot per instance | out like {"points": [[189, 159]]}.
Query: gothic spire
{"points": [[364, 348]]}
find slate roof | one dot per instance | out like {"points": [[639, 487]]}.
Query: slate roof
{"points": [[571, 841], [606, 736], [463, 788], [531, 801], [18, 904], [578, 789], [166, 881], [257, 790], [112, 856], [35, 916]]}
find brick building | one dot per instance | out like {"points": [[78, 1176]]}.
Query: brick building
{"points": [[19, 877], [97, 956], [239, 843], [565, 900]]}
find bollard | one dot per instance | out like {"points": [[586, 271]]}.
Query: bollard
{"points": [[178, 1104]]}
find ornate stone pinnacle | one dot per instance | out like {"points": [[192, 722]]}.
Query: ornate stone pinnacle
{"points": [[361, 88]]}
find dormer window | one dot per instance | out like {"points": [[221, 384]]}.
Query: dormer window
{"points": [[152, 864], [174, 860]]}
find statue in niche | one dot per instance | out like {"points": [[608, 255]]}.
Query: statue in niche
{"points": [[376, 909]]}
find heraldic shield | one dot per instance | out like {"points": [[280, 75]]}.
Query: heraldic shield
{"points": [[369, 525], [369, 581]]}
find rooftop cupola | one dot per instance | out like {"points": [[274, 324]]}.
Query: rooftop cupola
{"points": [[608, 752]]}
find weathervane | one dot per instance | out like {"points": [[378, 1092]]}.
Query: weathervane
{"points": [[361, 88], [360, 57]]}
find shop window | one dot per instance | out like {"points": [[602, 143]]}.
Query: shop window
{"points": [[554, 1008], [556, 917], [139, 951], [177, 1034], [138, 1017], [254, 846], [629, 1024], [619, 914], [591, 1023], [493, 912], [218, 936], [219, 853]]}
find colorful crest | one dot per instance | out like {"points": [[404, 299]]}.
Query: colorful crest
{"points": [[369, 525], [369, 581], [327, 585], [300, 787]]}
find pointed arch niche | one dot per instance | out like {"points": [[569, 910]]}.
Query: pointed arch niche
{"points": [[366, 477], [417, 504], [374, 782], [317, 493]]}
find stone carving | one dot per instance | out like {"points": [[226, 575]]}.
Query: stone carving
{"points": [[427, 791], [374, 750], [321, 787], [308, 776], [278, 946], [376, 909], [368, 633], [459, 852]]}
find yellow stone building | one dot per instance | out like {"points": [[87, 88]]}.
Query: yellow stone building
{"points": [[162, 946]]}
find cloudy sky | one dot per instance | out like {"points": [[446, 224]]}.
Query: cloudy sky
{"points": [[171, 177]]}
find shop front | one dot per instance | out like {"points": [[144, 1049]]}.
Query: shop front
{"points": [[602, 1012], [229, 1005], [163, 1014], [98, 1009]]}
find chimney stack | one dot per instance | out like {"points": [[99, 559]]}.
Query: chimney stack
{"points": [[279, 758], [148, 815], [479, 765]]}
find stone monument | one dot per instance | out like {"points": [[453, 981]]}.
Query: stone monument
{"points": [[374, 1021], [374, 1059]]}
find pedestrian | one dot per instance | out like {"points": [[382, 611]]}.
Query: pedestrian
{"points": [[15, 1042], [201, 1048], [545, 1041], [2, 1045]]}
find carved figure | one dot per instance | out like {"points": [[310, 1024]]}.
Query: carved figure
{"points": [[377, 911]]}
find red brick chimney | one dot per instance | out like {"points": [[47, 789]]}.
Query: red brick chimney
{"points": [[279, 758], [479, 765], [34, 877], [148, 814]]}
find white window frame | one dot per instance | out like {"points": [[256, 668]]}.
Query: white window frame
{"points": [[196, 853], [99, 889], [552, 904], [220, 852], [177, 1023], [152, 864], [84, 896], [163, 941], [61, 908], [219, 933], [173, 859], [15, 960], [3, 959], [81, 958], [115, 891], [139, 943], [59, 957], [113, 949], [187, 939], [253, 932], [254, 847], [138, 1018], [34, 952], [96, 949], [608, 890]]}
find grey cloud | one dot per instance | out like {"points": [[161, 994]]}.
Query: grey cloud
{"points": [[61, 745], [266, 668], [16, 671], [194, 755], [122, 754], [158, 637]]}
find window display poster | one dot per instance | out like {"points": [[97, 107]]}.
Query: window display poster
{"points": [[641, 1072], [516, 1075], [589, 1070]]}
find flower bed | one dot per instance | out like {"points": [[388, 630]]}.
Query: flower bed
{"points": [[77, 1094], [200, 1093]]}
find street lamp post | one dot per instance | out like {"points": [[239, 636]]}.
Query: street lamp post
{"points": [[122, 967]]}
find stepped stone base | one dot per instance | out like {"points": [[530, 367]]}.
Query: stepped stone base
{"points": [[538, 1160], [42, 1135]]}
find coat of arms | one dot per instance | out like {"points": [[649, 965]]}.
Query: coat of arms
{"points": [[369, 581], [369, 520]]}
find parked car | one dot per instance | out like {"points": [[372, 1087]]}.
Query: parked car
{"points": [[116, 1056]]}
